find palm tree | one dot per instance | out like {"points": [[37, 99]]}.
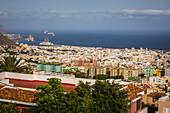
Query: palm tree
{"points": [[11, 64]]}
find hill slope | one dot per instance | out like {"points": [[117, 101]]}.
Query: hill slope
{"points": [[5, 41]]}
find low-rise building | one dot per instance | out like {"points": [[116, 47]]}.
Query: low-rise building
{"points": [[164, 104], [135, 96], [152, 98], [50, 67], [23, 97]]}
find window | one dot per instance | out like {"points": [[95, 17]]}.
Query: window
{"points": [[166, 110], [138, 104]]}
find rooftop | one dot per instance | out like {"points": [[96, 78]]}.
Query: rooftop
{"points": [[133, 91], [17, 94], [153, 94]]}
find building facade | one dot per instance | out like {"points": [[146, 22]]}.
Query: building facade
{"points": [[167, 71], [92, 71], [159, 72], [164, 104], [112, 71], [49, 67], [148, 71]]}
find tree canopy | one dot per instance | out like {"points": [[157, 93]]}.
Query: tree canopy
{"points": [[51, 97], [104, 77], [102, 97], [10, 108]]}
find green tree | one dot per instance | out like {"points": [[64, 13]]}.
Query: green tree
{"points": [[102, 97], [157, 96], [81, 100], [11, 64], [51, 97], [108, 98], [30, 110], [136, 79], [10, 108], [104, 77], [2, 107], [101, 77]]}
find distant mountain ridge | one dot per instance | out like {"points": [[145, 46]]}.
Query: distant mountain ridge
{"points": [[2, 30], [4, 41]]}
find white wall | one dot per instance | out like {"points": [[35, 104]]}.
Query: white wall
{"points": [[64, 79]]}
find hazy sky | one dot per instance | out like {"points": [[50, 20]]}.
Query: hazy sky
{"points": [[85, 14]]}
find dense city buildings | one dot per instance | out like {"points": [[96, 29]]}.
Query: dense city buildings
{"points": [[145, 72]]}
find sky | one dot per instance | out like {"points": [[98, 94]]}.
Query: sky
{"points": [[122, 15]]}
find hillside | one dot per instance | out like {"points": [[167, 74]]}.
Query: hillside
{"points": [[5, 41]]}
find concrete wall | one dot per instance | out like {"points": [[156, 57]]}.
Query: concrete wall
{"points": [[163, 105]]}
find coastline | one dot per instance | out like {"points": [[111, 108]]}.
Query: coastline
{"points": [[113, 40]]}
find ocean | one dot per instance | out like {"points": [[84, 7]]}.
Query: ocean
{"points": [[104, 39]]}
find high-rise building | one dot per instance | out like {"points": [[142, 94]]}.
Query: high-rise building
{"points": [[167, 71], [112, 71]]}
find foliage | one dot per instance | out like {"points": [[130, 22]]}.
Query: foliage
{"points": [[136, 79], [81, 100], [51, 96], [11, 64], [141, 75], [30, 110], [103, 97], [101, 77], [151, 108], [107, 97], [104, 77], [70, 69], [79, 75], [10, 108], [157, 96], [2, 107], [117, 77]]}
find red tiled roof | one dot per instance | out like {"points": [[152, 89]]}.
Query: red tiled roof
{"points": [[133, 91], [17, 94]]}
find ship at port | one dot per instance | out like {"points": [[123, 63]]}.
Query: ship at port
{"points": [[46, 42], [45, 31], [49, 33], [18, 38], [30, 38]]}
